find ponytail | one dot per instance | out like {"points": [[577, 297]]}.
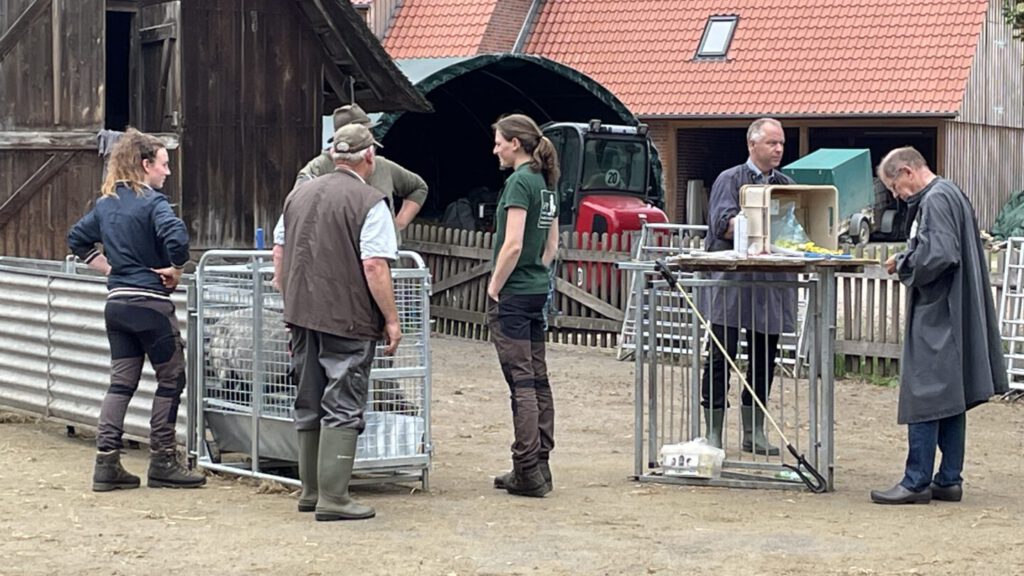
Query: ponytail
{"points": [[545, 161]]}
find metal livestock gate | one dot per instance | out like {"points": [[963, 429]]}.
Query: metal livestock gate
{"points": [[670, 362], [243, 392]]}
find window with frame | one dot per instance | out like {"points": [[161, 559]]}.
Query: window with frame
{"points": [[718, 33]]}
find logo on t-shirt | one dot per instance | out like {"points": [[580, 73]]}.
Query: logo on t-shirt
{"points": [[548, 209]]}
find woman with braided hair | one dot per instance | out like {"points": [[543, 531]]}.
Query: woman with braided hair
{"points": [[525, 245]]}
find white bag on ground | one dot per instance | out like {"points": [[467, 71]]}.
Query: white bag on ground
{"points": [[695, 458]]}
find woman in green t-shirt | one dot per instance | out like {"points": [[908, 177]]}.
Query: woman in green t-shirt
{"points": [[525, 244]]}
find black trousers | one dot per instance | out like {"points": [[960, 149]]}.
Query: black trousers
{"points": [[137, 327], [762, 349]]}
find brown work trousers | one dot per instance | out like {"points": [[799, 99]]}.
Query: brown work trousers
{"points": [[516, 324]]}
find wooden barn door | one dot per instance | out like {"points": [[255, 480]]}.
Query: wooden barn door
{"points": [[51, 107], [160, 68]]}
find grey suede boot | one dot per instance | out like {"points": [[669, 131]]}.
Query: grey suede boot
{"points": [[309, 447], [165, 471], [501, 482], [110, 475], [714, 419], [336, 457], [754, 439]]}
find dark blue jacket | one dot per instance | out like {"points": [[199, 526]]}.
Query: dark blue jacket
{"points": [[139, 233]]}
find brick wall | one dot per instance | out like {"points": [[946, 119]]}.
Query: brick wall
{"points": [[506, 22], [662, 135]]}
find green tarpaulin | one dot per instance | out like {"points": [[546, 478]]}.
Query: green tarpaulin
{"points": [[1010, 221]]}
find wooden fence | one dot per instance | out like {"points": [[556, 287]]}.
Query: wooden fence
{"points": [[869, 322], [870, 315], [591, 294]]}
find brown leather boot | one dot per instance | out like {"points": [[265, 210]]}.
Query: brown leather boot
{"points": [[110, 475], [501, 481], [527, 483], [165, 471]]}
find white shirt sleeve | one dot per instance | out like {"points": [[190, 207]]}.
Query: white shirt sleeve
{"points": [[377, 236], [279, 231]]}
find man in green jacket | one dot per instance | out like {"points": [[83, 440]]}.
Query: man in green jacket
{"points": [[388, 177]]}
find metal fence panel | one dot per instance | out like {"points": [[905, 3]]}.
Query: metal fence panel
{"points": [[24, 341], [54, 354]]}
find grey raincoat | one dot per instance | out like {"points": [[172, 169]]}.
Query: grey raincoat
{"points": [[952, 353], [768, 310]]}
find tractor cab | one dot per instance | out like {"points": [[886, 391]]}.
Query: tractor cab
{"points": [[607, 183]]}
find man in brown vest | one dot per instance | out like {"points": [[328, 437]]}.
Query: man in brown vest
{"points": [[338, 301]]}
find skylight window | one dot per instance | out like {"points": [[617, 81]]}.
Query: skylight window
{"points": [[717, 37]]}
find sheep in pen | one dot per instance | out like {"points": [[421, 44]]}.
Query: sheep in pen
{"points": [[230, 369]]}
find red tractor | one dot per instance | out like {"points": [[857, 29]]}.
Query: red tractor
{"points": [[608, 182]]}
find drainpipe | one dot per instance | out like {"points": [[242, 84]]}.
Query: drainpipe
{"points": [[524, 32]]}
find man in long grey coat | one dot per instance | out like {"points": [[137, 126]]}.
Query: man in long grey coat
{"points": [[952, 354], [764, 311]]}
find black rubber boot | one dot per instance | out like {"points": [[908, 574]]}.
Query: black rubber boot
{"points": [[334, 472], [501, 482], [309, 446], [165, 471], [110, 475], [527, 483]]}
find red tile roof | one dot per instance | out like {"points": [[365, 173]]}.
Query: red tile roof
{"points": [[788, 57], [438, 28]]}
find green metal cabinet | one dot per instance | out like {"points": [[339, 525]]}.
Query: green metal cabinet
{"points": [[849, 170]]}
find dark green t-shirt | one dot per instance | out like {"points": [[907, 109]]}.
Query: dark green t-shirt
{"points": [[526, 189]]}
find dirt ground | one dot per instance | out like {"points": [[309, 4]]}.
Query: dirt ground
{"points": [[596, 521]]}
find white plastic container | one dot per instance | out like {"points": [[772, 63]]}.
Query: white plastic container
{"points": [[695, 459], [739, 235], [389, 435]]}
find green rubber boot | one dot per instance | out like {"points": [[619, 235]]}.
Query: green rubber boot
{"points": [[714, 419], [336, 456], [754, 439], [309, 447]]}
